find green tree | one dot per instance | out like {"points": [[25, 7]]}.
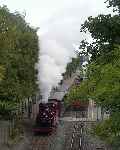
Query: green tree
{"points": [[105, 31], [18, 56], [103, 72], [115, 4]]}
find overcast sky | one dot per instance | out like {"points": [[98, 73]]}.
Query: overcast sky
{"points": [[58, 20], [48, 12], [39, 11]]}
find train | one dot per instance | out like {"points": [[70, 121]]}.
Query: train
{"points": [[47, 118]]}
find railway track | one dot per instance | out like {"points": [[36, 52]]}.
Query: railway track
{"points": [[76, 141], [45, 142], [78, 136], [39, 143], [74, 132], [49, 142], [71, 135]]}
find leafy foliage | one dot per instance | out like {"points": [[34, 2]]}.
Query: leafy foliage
{"points": [[77, 93], [2, 70], [18, 56], [115, 4], [103, 72], [105, 32], [110, 130], [105, 82]]}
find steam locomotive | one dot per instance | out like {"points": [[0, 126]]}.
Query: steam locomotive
{"points": [[48, 117]]}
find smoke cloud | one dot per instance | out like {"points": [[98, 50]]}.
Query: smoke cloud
{"points": [[53, 60]]}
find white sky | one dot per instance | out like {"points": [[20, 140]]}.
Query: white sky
{"points": [[39, 11], [58, 20]]}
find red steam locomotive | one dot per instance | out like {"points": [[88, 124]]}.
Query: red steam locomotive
{"points": [[48, 117]]}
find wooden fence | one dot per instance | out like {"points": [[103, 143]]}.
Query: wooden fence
{"points": [[4, 132], [28, 109]]}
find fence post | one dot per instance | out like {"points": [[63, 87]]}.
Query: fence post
{"points": [[4, 132]]}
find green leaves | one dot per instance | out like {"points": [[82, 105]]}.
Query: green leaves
{"points": [[7, 109], [79, 93], [115, 4], [18, 56], [105, 31], [2, 71], [109, 130], [103, 72]]}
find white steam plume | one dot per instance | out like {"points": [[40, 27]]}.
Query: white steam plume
{"points": [[53, 60]]}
